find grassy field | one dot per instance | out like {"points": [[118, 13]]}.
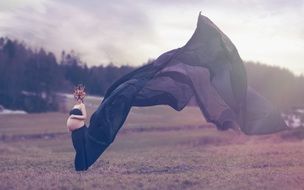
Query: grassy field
{"points": [[158, 148]]}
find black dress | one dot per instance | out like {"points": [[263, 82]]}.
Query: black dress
{"points": [[79, 143]]}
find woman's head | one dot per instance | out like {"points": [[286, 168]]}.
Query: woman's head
{"points": [[79, 92]]}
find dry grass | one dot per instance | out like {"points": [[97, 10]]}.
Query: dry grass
{"points": [[178, 151]]}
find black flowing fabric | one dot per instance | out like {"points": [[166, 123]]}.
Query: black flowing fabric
{"points": [[208, 69]]}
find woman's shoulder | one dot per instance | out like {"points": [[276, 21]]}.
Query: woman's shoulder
{"points": [[82, 104]]}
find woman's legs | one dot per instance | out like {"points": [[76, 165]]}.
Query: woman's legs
{"points": [[78, 138]]}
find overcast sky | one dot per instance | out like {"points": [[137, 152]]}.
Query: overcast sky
{"points": [[131, 32]]}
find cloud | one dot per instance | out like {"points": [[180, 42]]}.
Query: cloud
{"points": [[108, 33], [128, 31], [14, 4]]}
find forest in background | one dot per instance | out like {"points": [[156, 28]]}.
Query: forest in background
{"points": [[30, 79]]}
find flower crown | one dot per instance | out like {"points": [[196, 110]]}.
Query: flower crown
{"points": [[79, 92]]}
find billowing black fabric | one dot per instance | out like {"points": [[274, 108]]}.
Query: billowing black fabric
{"points": [[208, 69]]}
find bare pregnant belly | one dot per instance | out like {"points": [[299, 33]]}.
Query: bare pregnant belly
{"points": [[73, 124]]}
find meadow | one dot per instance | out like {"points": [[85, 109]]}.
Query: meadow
{"points": [[157, 148]]}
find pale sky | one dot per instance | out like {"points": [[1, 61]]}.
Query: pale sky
{"points": [[133, 31]]}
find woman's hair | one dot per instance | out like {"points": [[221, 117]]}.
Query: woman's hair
{"points": [[79, 92]]}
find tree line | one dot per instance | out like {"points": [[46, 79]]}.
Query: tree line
{"points": [[278, 85], [30, 79]]}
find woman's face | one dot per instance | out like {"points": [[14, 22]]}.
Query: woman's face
{"points": [[78, 101]]}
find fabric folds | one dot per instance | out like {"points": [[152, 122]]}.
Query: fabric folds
{"points": [[208, 68]]}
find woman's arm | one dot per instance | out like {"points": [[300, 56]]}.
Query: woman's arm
{"points": [[80, 117]]}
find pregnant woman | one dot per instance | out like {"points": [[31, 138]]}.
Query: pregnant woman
{"points": [[76, 125]]}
